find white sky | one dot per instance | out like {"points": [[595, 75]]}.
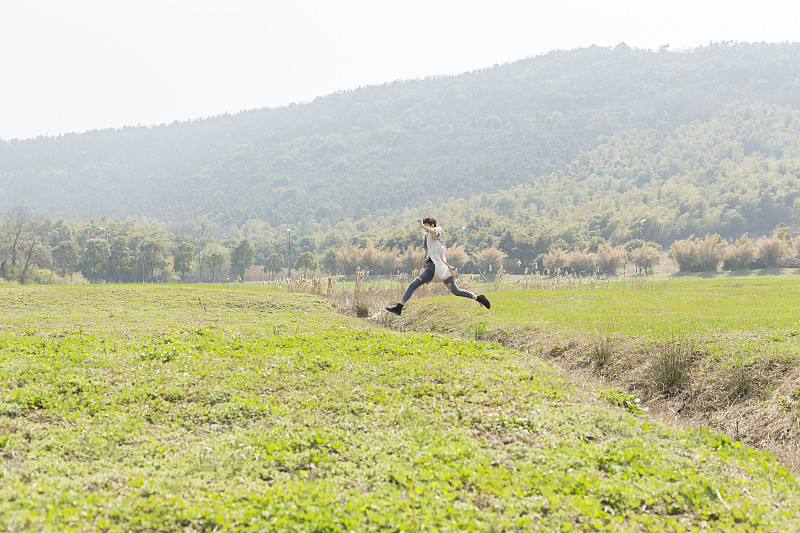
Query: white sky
{"points": [[77, 65]]}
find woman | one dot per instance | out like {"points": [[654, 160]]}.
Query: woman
{"points": [[436, 267]]}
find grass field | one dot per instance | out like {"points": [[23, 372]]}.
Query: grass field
{"points": [[722, 352], [173, 408], [765, 309]]}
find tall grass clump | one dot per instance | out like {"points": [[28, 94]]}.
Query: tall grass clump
{"points": [[555, 261], [602, 354], [740, 254], [770, 250], [582, 262], [741, 382], [479, 331], [670, 371], [698, 255], [684, 253], [609, 258], [646, 257], [710, 252]]}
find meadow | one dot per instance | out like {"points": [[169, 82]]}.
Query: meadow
{"points": [[721, 351], [247, 408], [763, 311]]}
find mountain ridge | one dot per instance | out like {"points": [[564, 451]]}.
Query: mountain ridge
{"points": [[378, 151]]}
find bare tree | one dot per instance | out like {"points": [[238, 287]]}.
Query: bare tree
{"points": [[19, 238], [29, 241], [14, 225]]}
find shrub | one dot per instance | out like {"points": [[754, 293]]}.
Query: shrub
{"points": [[697, 255], [410, 259], [362, 310], [457, 256], [789, 262], [490, 259], [710, 252], [770, 249], [684, 252], [609, 258], [645, 257], [582, 262], [377, 259], [555, 260], [740, 254]]}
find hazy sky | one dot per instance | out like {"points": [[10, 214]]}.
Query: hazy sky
{"points": [[77, 65]]}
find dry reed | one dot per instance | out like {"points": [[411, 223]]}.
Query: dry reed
{"points": [[364, 295]]}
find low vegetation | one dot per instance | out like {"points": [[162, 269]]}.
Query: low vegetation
{"points": [[721, 352], [155, 408]]}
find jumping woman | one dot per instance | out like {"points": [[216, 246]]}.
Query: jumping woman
{"points": [[436, 267]]}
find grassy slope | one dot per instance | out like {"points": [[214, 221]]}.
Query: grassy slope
{"points": [[161, 408], [739, 338]]}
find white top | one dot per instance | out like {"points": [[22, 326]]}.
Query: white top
{"points": [[435, 247]]}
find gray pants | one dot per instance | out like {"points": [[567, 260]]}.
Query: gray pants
{"points": [[426, 276]]}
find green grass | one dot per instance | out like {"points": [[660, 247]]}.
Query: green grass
{"points": [[757, 316], [720, 351], [674, 307], [165, 408]]}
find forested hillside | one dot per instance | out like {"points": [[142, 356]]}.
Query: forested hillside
{"points": [[692, 141], [736, 173]]}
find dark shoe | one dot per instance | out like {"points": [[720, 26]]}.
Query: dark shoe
{"points": [[484, 301], [397, 309]]}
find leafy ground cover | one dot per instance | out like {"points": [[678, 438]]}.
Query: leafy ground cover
{"points": [[722, 351], [162, 408]]}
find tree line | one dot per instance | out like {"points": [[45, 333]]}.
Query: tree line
{"points": [[708, 254], [35, 250]]}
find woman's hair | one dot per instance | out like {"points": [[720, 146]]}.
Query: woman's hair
{"points": [[429, 221]]}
